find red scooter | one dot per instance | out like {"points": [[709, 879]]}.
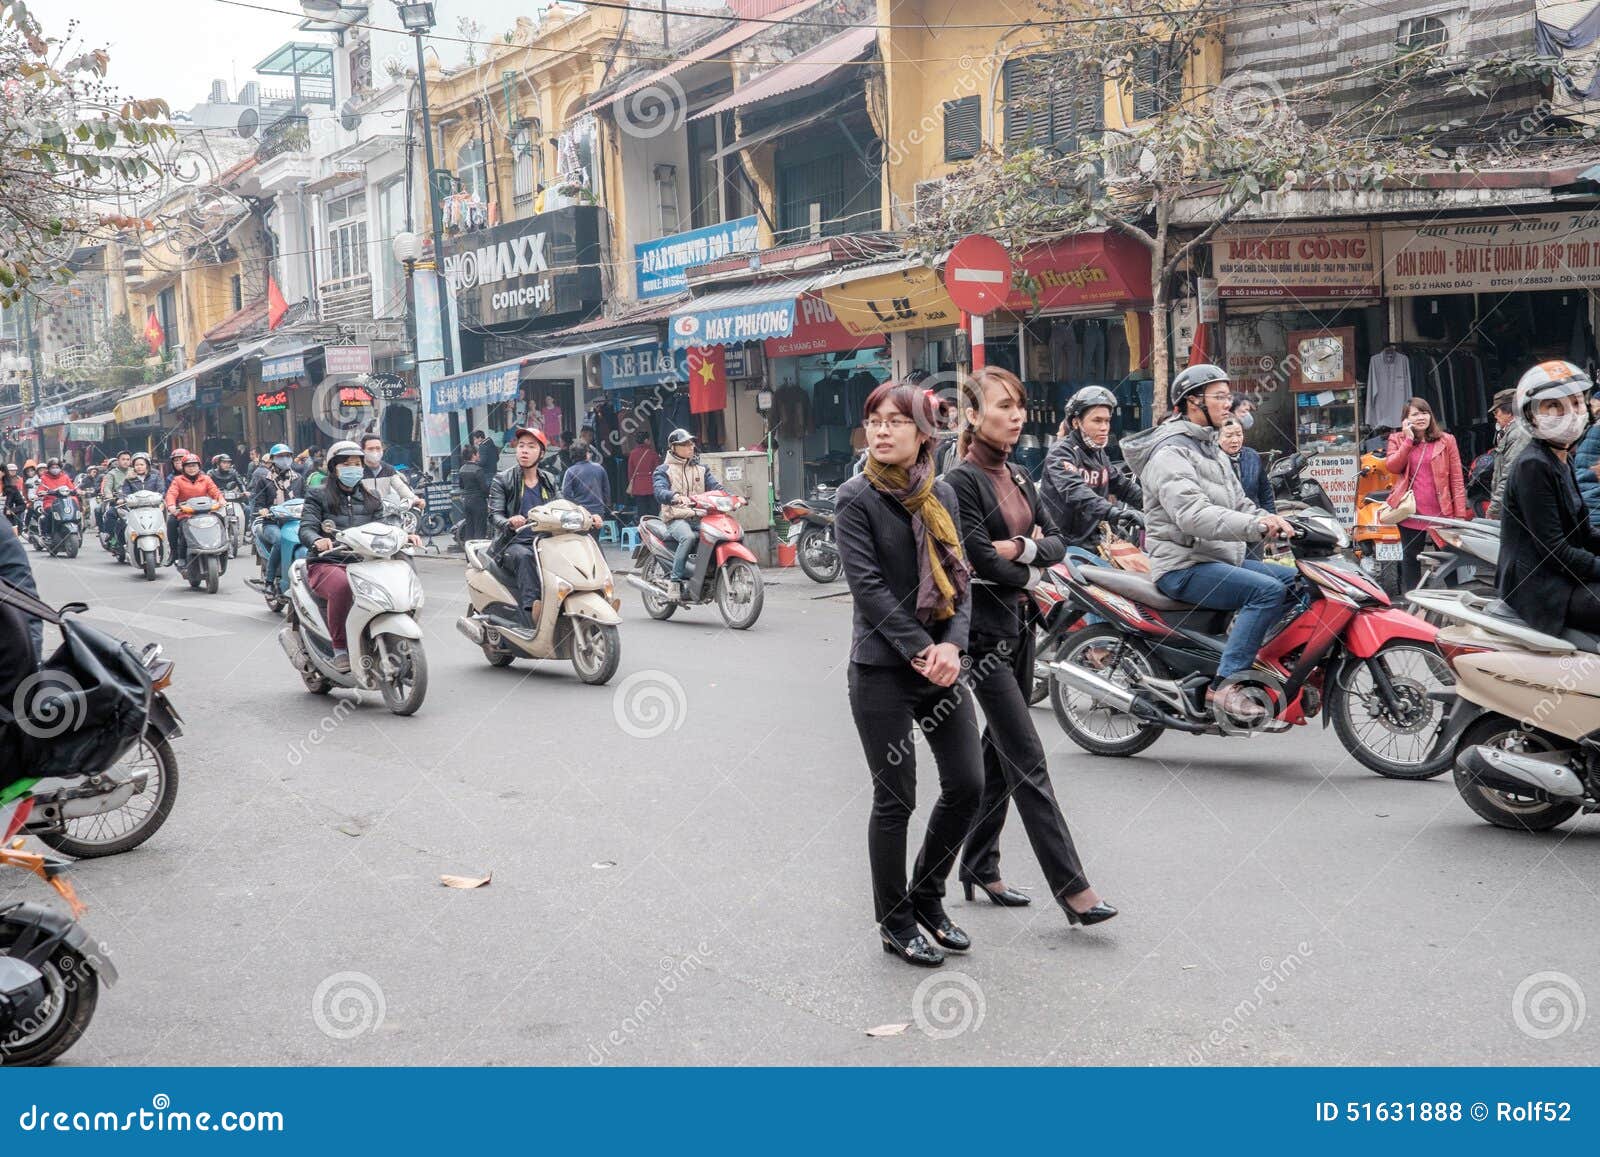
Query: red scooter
{"points": [[723, 569], [1117, 685]]}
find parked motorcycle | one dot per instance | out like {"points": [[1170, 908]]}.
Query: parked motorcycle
{"points": [[384, 636], [724, 569], [286, 517], [205, 537], [811, 535], [1059, 616], [1291, 492], [1464, 554], [578, 619], [1523, 728], [1377, 543], [237, 522], [51, 969], [1376, 669], [145, 531], [58, 530]]}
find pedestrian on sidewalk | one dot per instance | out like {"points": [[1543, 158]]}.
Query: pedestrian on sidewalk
{"points": [[1010, 537], [474, 495], [642, 463], [901, 548]]}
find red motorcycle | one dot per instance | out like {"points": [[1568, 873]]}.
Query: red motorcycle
{"points": [[1117, 685], [723, 569]]}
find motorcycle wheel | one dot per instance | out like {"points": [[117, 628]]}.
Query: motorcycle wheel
{"points": [[739, 594], [72, 546], [654, 573], [497, 656], [819, 558], [211, 573], [1409, 748], [596, 651], [1502, 808], [134, 822], [148, 561], [1102, 730], [73, 991], [404, 677]]}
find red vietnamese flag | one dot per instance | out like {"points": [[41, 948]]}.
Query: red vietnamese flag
{"points": [[708, 379], [154, 336], [276, 306], [1200, 347]]}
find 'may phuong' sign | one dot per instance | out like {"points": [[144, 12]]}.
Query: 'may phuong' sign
{"points": [[543, 266], [660, 265]]}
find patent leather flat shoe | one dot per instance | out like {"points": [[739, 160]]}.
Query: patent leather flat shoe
{"points": [[1100, 913], [946, 934], [1009, 898], [913, 950]]}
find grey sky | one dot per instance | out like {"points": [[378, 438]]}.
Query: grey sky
{"points": [[175, 49]]}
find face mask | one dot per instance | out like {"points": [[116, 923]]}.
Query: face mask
{"points": [[374, 458], [350, 475], [1246, 420], [282, 461], [1563, 430]]}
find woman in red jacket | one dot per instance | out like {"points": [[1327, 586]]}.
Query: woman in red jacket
{"points": [[1428, 464], [186, 484]]}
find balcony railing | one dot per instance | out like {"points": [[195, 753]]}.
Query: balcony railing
{"points": [[290, 133], [347, 300]]}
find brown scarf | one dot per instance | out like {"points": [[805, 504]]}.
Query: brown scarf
{"points": [[942, 572]]}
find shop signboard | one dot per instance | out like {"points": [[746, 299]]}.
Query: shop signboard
{"points": [[1337, 472], [272, 401], [180, 395], [1087, 269], [483, 387], [49, 416], [661, 266], [1269, 261], [912, 298], [437, 496], [647, 364], [818, 331], [347, 359], [283, 367], [1493, 255], [354, 396], [86, 431], [208, 397], [733, 325], [543, 266]]}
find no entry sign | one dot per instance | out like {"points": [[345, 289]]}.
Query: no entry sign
{"points": [[977, 274]]}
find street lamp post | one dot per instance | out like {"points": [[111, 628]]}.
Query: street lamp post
{"points": [[418, 19]]}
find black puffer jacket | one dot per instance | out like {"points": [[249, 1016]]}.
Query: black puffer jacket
{"points": [[333, 503], [1077, 486]]}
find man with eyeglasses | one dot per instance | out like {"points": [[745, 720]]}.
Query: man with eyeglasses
{"points": [[1198, 522]]}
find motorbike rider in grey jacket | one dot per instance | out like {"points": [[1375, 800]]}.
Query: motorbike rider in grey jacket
{"points": [[1198, 522]]}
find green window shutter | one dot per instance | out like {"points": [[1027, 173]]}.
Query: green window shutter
{"points": [[963, 135]]}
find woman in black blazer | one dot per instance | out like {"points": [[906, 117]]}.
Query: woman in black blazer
{"points": [[1010, 537], [897, 535], [1549, 550]]}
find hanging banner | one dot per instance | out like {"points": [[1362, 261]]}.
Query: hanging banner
{"points": [[892, 302], [476, 388], [661, 265], [1266, 261], [642, 365], [1493, 255], [430, 303], [818, 331], [347, 359]]}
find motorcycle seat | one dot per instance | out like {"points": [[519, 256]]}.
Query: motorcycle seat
{"points": [[1377, 496], [1133, 586], [822, 505], [1583, 640]]}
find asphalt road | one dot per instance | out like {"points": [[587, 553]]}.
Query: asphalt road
{"points": [[679, 876]]}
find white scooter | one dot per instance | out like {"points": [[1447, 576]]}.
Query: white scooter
{"points": [[146, 530], [383, 635], [238, 523]]}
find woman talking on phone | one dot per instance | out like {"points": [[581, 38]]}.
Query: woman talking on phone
{"points": [[1010, 538], [898, 538], [1428, 464]]}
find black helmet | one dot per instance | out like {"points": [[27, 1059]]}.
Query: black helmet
{"points": [[53, 462], [1192, 381], [678, 437], [1086, 399]]}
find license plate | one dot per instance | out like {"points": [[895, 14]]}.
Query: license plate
{"points": [[796, 531], [1391, 552]]}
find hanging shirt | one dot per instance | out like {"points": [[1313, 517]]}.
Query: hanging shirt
{"points": [[1388, 388]]}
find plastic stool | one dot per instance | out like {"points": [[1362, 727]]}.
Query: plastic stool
{"points": [[608, 530], [629, 539]]}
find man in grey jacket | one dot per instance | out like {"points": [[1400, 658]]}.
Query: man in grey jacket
{"points": [[1511, 439], [1198, 521]]}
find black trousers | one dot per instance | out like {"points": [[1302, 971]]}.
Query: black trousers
{"points": [[180, 545], [1583, 608], [1014, 768], [475, 514], [521, 561], [1413, 543], [887, 703]]}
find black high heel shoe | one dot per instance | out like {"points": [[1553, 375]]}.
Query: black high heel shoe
{"points": [[946, 934], [1010, 898], [914, 950], [1100, 913]]}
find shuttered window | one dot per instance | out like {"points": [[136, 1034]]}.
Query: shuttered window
{"points": [[1051, 102], [962, 134], [1158, 82]]}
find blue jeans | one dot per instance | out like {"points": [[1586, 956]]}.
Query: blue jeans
{"points": [[1257, 590], [685, 534]]}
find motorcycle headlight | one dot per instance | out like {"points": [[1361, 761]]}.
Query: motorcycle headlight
{"points": [[570, 521], [386, 543], [370, 592]]}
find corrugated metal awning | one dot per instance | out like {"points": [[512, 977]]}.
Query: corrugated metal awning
{"points": [[811, 67]]}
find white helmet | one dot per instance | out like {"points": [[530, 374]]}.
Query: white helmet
{"points": [[339, 450], [1544, 381]]}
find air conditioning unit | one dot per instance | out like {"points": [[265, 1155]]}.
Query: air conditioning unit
{"points": [[1120, 158], [927, 201]]}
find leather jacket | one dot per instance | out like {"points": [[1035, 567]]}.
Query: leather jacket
{"points": [[505, 495]]}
